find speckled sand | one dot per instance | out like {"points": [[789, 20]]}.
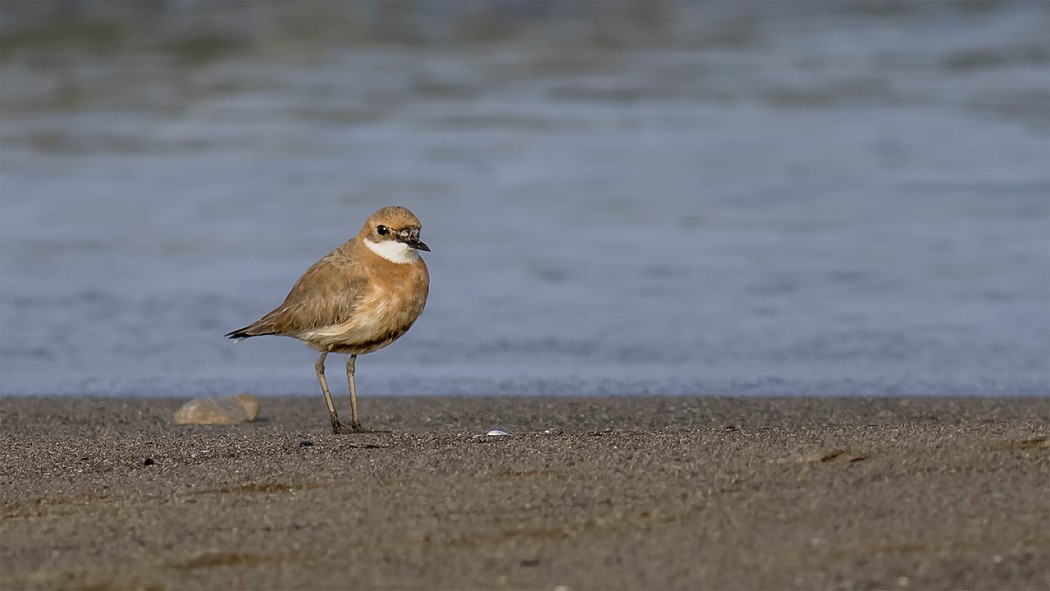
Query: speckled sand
{"points": [[620, 493]]}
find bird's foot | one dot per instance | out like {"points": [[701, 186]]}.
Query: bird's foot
{"points": [[341, 429], [338, 428], [364, 431]]}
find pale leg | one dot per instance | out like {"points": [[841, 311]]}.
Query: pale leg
{"points": [[337, 427], [355, 424]]}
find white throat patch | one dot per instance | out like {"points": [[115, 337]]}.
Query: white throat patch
{"points": [[393, 251]]}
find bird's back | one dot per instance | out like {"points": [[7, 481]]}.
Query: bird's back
{"points": [[326, 294]]}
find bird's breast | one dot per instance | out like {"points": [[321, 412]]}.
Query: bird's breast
{"points": [[388, 310]]}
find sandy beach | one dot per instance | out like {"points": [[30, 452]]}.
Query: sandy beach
{"points": [[584, 493]]}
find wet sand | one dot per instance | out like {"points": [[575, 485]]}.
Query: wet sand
{"points": [[586, 493]]}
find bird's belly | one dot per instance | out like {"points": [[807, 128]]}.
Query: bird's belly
{"points": [[374, 324]]}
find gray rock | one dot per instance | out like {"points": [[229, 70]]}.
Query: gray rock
{"points": [[218, 410]]}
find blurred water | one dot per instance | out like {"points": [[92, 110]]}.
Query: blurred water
{"points": [[746, 198]]}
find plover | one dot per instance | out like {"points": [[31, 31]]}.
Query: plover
{"points": [[358, 299]]}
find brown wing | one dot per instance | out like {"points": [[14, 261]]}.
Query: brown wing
{"points": [[326, 294]]}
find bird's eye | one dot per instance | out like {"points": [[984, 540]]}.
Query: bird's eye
{"points": [[381, 230]]}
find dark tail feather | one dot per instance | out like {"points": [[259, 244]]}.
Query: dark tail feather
{"points": [[246, 332]]}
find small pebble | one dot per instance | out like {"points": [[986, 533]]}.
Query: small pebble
{"points": [[305, 443], [496, 433], [218, 410]]}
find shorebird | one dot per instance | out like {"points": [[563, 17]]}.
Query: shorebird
{"points": [[357, 299]]}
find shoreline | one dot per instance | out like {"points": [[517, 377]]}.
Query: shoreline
{"points": [[614, 492]]}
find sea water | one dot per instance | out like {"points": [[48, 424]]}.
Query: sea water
{"points": [[764, 198]]}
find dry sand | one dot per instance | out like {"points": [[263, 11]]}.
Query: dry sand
{"points": [[620, 493]]}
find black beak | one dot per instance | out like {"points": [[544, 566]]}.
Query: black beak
{"points": [[417, 244]]}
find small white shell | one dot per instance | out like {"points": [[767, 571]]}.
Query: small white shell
{"points": [[496, 433]]}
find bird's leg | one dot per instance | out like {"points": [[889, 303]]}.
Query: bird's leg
{"points": [[355, 424], [337, 427]]}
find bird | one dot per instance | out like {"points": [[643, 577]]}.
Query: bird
{"points": [[357, 299]]}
